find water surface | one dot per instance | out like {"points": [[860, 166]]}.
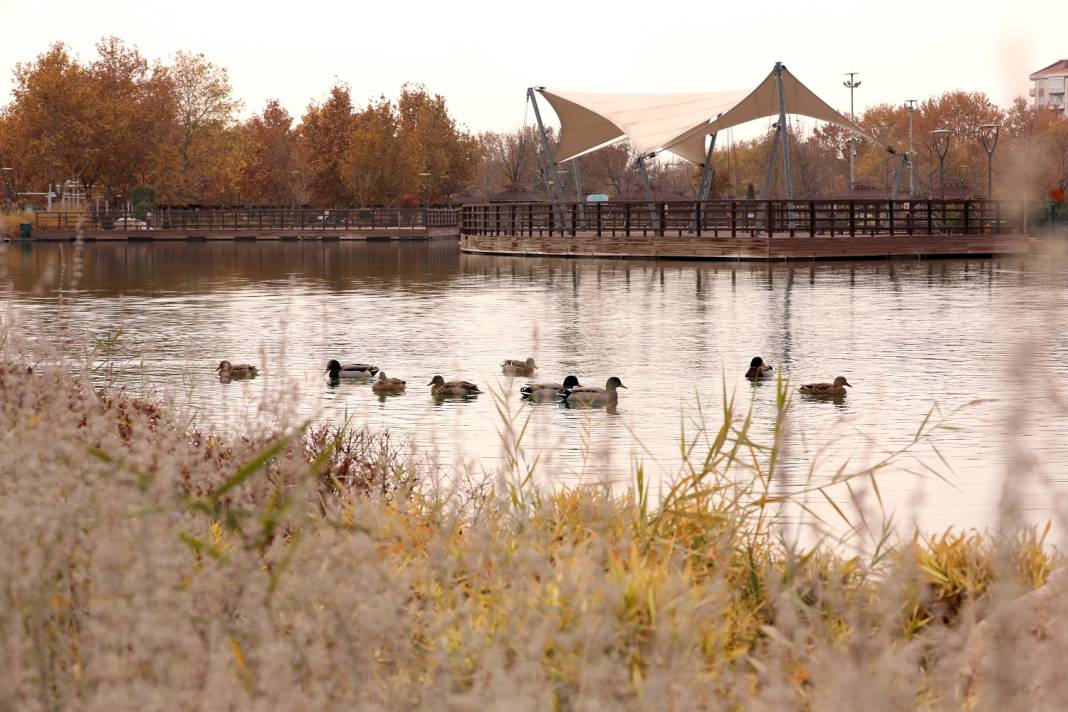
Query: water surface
{"points": [[908, 335]]}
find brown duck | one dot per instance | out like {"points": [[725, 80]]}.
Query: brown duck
{"points": [[838, 388]]}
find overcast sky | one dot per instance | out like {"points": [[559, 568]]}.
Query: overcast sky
{"points": [[483, 55]]}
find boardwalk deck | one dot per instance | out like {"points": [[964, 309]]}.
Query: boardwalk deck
{"points": [[766, 230], [773, 249]]}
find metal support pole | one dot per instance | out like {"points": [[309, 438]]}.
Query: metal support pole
{"points": [[708, 173], [647, 185], [771, 164], [785, 134], [903, 158], [547, 155], [852, 84]]}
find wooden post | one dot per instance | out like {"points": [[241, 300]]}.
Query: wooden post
{"points": [[812, 218], [930, 218], [852, 218], [662, 210], [831, 218], [574, 219], [626, 219], [597, 209], [890, 216], [769, 218], [697, 216], [734, 218], [967, 205]]}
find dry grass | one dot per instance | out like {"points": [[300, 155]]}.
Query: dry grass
{"points": [[149, 566]]}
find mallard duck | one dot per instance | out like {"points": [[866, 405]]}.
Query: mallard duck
{"points": [[387, 385], [350, 370], [232, 371], [838, 388], [548, 391], [440, 388], [758, 369], [518, 367], [593, 396]]}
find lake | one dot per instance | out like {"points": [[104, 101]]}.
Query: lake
{"points": [[909, 335]]}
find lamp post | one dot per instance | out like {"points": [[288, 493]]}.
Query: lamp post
{"points": [[910, 106], [423, 199], [940, 140], [852, 84], [988, 136]]}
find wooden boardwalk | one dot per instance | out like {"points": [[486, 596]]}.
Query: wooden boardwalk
{"points": [[764, 230], [763, 248], [383, 234]]}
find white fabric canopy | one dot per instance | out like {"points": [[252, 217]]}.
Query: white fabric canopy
{"points": [[761, 103], [677, 122], [589, 121]]}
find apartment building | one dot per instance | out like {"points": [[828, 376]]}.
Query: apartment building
{"points": [[1049, 85]]}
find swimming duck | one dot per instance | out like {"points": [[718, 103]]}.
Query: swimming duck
{"points": [[548, 391], [387, 385], [440, 388], [230, 371], [518, 367], [593, 396], [838, 388], [758, 369], [350, 370]]}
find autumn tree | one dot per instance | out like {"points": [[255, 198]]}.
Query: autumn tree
{"points": [[325, 135], [47, 126], [268, 170], [205, 114]]}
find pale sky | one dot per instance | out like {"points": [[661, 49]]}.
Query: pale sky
{"points": [[482, 55]]}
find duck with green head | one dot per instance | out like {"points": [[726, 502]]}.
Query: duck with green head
{"points": [[758, 369], [359, 371], [548, 391], [592, 396]]}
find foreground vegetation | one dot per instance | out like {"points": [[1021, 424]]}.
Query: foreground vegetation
{"points": [[149, 565]]}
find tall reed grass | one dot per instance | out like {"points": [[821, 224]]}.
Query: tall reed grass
{"points": [[149, 565]]}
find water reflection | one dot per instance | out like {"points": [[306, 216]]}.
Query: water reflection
{"points": [[907, 334]]}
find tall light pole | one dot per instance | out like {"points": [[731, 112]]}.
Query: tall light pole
{"points": [[423, 199], [910, 106], [988, 136], [852, 84], [940, 140]]}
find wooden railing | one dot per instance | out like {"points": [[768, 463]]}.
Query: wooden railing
{"points": [[250, 219], [748, 218]]}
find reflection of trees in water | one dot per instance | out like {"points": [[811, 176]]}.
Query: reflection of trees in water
{"points": [[111, 269]]}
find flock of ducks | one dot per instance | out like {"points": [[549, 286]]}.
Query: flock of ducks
{"points": [[570, 391]]}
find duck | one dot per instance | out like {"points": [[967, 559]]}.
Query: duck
{"points": [[838, 388], [350, 370], [548, 391], [758, 369], [440, 388], [230, 371], [386, 385], [593, 396], [518, 367]]}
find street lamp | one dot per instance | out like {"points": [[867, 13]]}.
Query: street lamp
{"points": [[852, 84], [910, 106], [940, 140], [988, 136], [423, 199]]}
